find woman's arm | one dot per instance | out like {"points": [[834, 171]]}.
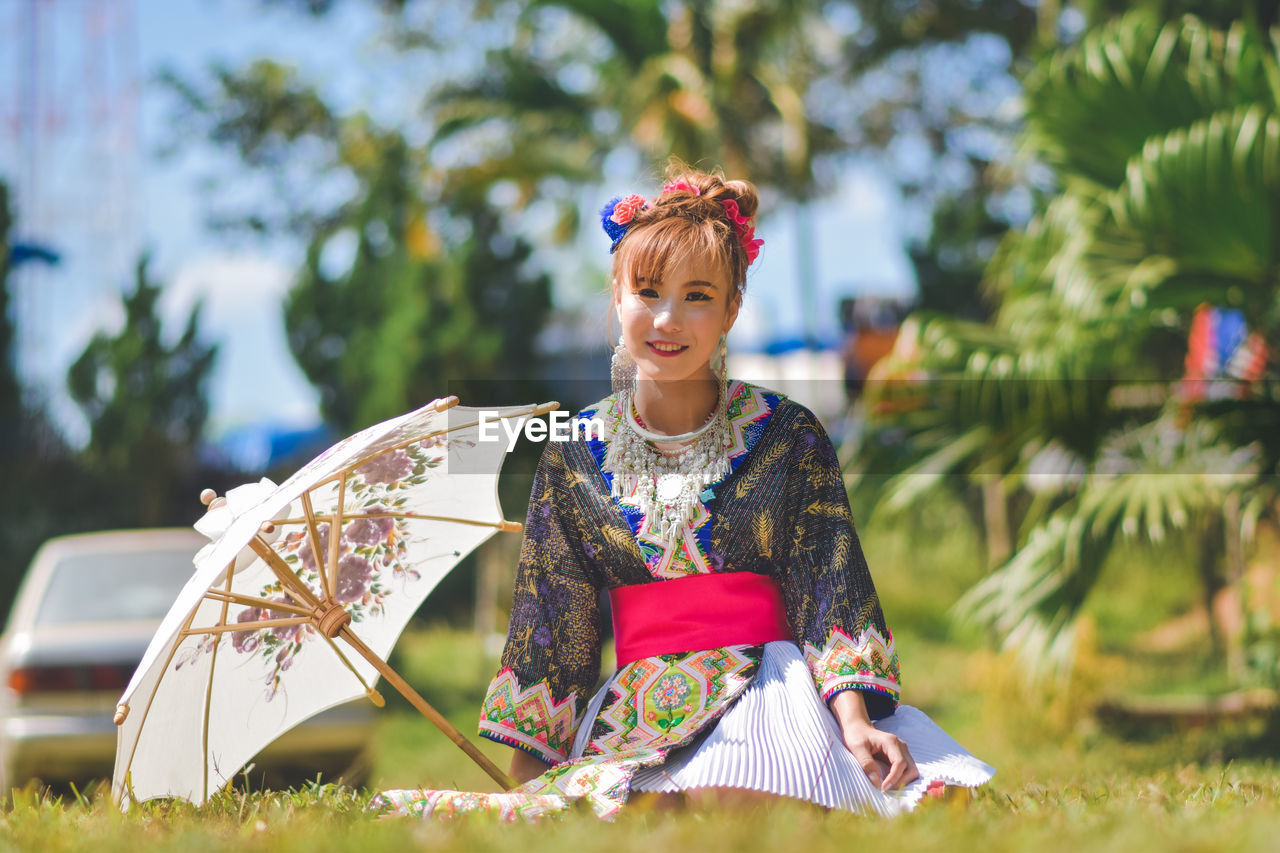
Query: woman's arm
{"points": [[552, 656], [525, 767], [833, 608], [868, 744], [832, 605]]}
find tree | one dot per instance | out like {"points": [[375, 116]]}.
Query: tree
{"points": [[145, 403], [1164, 141], [405, 323], [429, 288], [934, 82], [414, 285], [715, 84], [34, 499], [10, 390], [711, 83]]}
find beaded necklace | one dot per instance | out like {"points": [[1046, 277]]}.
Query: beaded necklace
{"points": [[668, 485]]}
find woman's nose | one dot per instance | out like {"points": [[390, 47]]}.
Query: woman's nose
{"points": [[667, 316]]}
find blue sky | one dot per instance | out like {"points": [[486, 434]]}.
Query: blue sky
{"points": [[157, 203]]}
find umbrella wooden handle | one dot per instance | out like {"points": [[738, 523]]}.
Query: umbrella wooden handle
{"points": [[305, 596], [426, 710]]}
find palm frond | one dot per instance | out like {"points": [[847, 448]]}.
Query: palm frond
{"points": [[1147, 483], [1093, 107], [1227, 164]]}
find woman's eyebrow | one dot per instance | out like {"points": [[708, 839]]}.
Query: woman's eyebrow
{"points": [[697, 282]]}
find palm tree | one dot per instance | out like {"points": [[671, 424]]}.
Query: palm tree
{"points": [[701, 80], [1164, 145], [712, 83]]}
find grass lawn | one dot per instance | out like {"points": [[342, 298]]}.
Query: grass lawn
{"points": [[1065, 781]]}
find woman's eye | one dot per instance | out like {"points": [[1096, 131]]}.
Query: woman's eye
{"points": [[698, 296], [647, 292]]}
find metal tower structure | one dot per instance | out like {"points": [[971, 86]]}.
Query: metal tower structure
{"points": [[69, 91]]}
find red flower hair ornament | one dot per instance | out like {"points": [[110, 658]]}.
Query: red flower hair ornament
{"points": [[745, 230], [616, 218]]}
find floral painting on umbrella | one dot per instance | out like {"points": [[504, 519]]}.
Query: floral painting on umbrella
{"points": [[305, 588], [371, 551]]}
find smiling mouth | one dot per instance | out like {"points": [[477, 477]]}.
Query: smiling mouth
{"points": [[666, 350]]}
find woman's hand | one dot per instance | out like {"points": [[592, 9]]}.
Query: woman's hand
{"points": [[883, 756]]}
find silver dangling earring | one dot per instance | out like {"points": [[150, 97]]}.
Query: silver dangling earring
{"points": [[719, 359], [720, 367], [622, 368]]}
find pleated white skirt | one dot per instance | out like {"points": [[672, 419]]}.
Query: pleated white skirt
{"points": [[780, 738]]}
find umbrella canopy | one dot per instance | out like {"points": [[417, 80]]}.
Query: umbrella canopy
{"points": [[294, 607]]}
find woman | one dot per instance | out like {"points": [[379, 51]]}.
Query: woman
{"points": [[752, 653]]}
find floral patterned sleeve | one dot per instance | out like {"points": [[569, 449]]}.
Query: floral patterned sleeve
{"points": [[552, 656], [831, 600]]}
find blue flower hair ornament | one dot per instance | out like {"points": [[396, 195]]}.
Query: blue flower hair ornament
{"points": [[617, 215]]}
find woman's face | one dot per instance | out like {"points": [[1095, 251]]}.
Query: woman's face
{"points": [[671, 326]]}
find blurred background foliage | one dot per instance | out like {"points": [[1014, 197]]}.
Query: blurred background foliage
{"points": [[1160, 138], [1083, 176]]}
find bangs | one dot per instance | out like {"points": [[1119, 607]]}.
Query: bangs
{"points": [[655, 247]]}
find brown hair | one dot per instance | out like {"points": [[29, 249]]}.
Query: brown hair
{"points": [[681, 223]]}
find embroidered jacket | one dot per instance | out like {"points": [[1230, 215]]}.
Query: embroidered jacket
{"points": [[782, 510]]}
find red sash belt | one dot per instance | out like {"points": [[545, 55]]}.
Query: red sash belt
{"points": [[696, 612]]}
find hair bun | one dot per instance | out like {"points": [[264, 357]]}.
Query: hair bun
{"points": [[698, 213], [746, 196], [709, 188]]}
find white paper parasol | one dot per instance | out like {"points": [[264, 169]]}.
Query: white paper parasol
{"points": [[282, 620]]}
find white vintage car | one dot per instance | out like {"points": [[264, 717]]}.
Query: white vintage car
{"points": [[83, 617]]}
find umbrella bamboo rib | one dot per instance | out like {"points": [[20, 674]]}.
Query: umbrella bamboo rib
{"points": [[249, 626], [374, 696], [540, 409], [504, 525], [208, 690], [133, 750], [283, 572], [313, 533], [426, 710], [254, 601], [288, 578], [335, 535]]}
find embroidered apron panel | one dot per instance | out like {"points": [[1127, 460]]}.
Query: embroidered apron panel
{"points": [[655, 705], [662, 701]]}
